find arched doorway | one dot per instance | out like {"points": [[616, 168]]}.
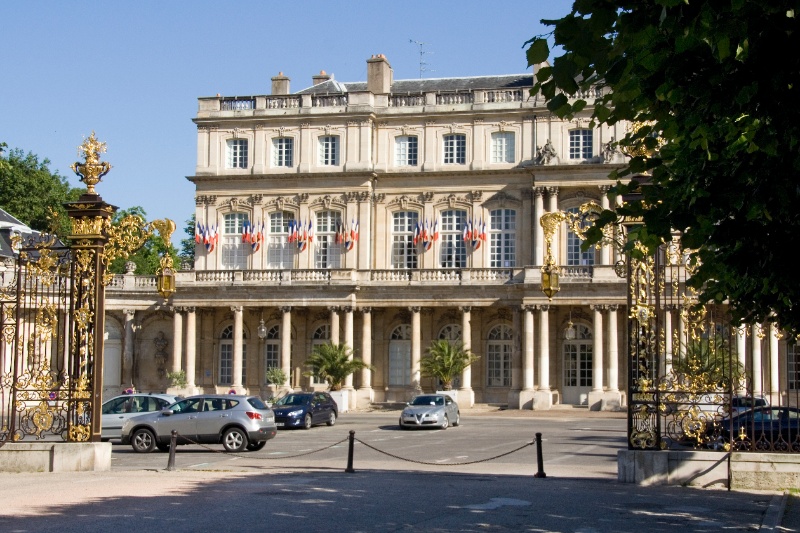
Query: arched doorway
{"points": [[577, 366]]}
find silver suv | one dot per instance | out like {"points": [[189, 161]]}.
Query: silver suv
{"points": [[238, 422]]}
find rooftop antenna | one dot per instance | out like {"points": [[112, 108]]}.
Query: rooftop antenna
{"points": [[422, 53]]}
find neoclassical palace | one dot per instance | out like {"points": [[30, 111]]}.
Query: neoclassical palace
{"points": [[386, 214]]}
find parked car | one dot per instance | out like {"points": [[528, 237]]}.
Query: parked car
{"points": [[120, 408], [305, 409], [765, 428], [238, 422], [435, 410], [743, 403]]}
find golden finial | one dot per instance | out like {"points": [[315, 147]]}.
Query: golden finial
{"points": [[91, 170]]}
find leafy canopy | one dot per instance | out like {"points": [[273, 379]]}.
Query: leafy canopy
{"points": [[445, 361], [717, 83], [333, 363]]}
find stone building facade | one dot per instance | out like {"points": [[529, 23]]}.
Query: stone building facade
{"points": [[386, 214]]}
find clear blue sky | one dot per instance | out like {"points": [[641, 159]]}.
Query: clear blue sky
{"points": [[132, 71]]}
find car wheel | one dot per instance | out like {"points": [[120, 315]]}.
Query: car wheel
{"points": [[400, 423], [331, 419], [457, 421], [162, 447], [445, 422], [307, 422], [255, 446], [234, 440], [143, 441]]}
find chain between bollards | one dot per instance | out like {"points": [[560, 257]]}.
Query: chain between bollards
{"points": [[352, 439], [173, 442], [539, 460]]}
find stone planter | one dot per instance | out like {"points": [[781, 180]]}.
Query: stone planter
{"points": [[342, 399]]}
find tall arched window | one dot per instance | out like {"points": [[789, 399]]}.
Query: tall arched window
{"points": [[322, 335], [404, 251], [280, 252], [226, 357], [453, 251], [578, 364], [499, 349], [400, 355], [451, 332], [234, 251], [327, 253], [502, 238], [272, 349]]}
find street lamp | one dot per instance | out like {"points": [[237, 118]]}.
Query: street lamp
{"points": [[262, 330]]}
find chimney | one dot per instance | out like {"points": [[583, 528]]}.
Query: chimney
{"points": [[280, 84], [379, 75], [322, 77]]}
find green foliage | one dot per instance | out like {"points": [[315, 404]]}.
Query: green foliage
{"points": [[177, 379], [29, 190], [445, 361], [276, 376], [706, 79], [147, 258], [188, 244], [332, 363]]}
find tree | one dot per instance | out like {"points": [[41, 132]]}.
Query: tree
{"points": [[188, 244], [445, 361], [29, 190], [719, 134], [332, 363]]}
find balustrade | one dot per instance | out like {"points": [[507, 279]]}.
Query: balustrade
{"points": [[283, 102], [236, 104], [454, 98], [334, 100], [406, 100], [514, 95]]}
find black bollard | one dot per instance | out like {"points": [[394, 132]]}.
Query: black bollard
{"points": [[539, 460], [173, 443], [349, 468]]}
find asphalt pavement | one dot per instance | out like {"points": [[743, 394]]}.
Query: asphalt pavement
{"points": [[376, 497]]}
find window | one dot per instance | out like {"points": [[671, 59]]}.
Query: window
{"points": [[502, 238], [236, 154], [234, 251], [503, 147], [498, 357], [580, 144], [327, 254], [453, 251], [578, 359], [329, 150], [405, 151], [226, 357], [404, 251], [282, 151], [455, 149], [322, 335], [575, 257], [793, 366], [280, 252], [272, 349], [400, 355]]}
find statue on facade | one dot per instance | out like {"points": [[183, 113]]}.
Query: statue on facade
{"points": [[609, 150], [161, 343], [545, 154]]}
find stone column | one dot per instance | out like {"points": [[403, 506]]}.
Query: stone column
{"points": [[597, 348], [774, 388], [127, 349], [465, 394], [348, 340], [177, 340], [365, 394], [416, 343], [613, 350], [334, 324], [286, 345], [605, 250], [538, 231], [238, 334], [527, 360], [741, 351], [758, 335], [667, 339], [191, 347], [543, 398]]}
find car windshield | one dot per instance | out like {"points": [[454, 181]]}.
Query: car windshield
{"points": [[294, 399], [428, 400]]}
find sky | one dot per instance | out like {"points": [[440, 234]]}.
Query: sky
{"points": [[131, 71]]}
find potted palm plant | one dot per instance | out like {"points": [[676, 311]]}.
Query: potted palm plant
{"points": [[446, 360], [275, 377], [334, 363]]}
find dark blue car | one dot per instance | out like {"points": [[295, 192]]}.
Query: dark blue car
{"points": [[305, 409]]}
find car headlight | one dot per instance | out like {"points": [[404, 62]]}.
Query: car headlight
{"points": [[406, 413], [295, 413]]}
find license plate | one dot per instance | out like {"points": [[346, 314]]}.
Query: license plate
{"points": [[279, 424]]}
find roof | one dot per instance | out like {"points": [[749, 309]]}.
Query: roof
{"points": [[423, 85]]}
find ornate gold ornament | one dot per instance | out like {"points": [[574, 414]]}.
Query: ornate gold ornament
{"points": [[92, 169]]}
